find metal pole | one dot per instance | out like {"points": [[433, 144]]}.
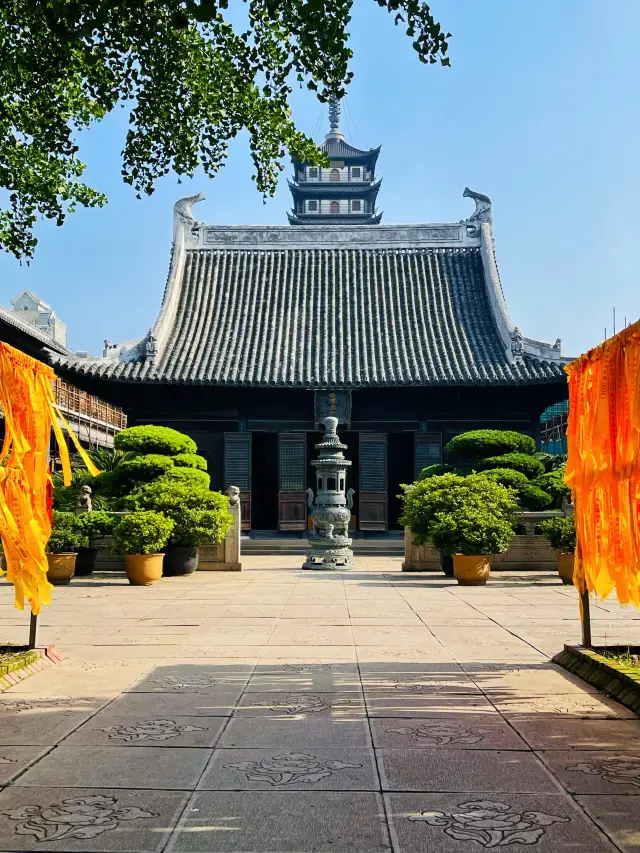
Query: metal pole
{"points": [[585, 618], [34, 629]]}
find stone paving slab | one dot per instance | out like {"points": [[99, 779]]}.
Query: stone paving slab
{"points": [[282, 822], [35, 721], [300, 770], [468, 731], [216, 702], [118, 766], [304, 704], [381, 704], [617, 816], [470, 771], [569, 733], [519, 823], [102, 820], [15, 759], [294, 733]]}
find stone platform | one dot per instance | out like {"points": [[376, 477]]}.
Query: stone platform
{"points": [[283, 711]]}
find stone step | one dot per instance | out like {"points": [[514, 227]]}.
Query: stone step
{"points": [[383, 547]]}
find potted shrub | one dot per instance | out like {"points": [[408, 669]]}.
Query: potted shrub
{"points": [[94, 525], [561, 533], [66, 538], [200, 517], [141, 537], [467, 517]]}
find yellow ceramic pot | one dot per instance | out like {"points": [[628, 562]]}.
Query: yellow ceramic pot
{"points": [[565, 568], [61, 568], [144, 569], [471, 571]]}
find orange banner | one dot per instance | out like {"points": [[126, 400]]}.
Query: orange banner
{"points": [[603, 467], [26, 397]]}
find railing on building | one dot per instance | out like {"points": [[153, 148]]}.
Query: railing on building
{"points": [[78, 402], [553, 428], [337, 179]]}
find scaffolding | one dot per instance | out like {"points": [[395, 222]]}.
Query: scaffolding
{"points": [[553, 428]]}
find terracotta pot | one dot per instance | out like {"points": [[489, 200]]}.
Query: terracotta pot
{"points": [[86, 561], [179, 561], [471, 571], [144, 569], [61, 568], [565, 568]]}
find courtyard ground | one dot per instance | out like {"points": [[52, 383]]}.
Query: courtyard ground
{"points": [[282, 711]]}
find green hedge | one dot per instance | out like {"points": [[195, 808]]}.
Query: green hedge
{"points": [[190, 460], [533, 498], [143, 469], [154, 439], [435, 471], [192, 476], [528, 465], [553, 483], [67, 535], [482, 443], [507, 477], [561, 533]]}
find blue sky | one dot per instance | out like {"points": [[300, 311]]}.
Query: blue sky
{"points": [[540, 111]]}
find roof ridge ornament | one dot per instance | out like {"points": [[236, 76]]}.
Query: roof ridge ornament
{"points": [[484, 207], [182, 211]]}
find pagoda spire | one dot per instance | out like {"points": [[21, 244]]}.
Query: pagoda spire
{"points": [[335, 109]]}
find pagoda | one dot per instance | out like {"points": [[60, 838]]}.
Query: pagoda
{"points": [[344, 193]]}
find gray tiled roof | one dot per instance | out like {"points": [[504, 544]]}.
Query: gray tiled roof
{"points": [[32, 331], [329, 318]]}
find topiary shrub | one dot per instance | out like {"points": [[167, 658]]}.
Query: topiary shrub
{"points": [[528, 465], [194, 527], [154, 439], [428, 502], [435, 471], [67, 535], [143, 469], [94, 524], [561, 533], [191, 476], [144, 532], [553, 483], [482, 443], [533, 498], [165, 493], [507, 477], [190, 460], [472, 531]]}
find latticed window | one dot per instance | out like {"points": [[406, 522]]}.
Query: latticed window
{"points": [[356, 206], [335, 174], [334, 207], [313, 205], [313, 172], [355, 172]]}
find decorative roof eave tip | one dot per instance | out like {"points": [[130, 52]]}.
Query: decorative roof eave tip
{"points": [[182, 216]]}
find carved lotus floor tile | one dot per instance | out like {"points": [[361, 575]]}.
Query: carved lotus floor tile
{"points": [[109, 729], [300, 704], [464, 823], [118, 766], [282, 821], [433, 769], [464, 731], [597, 772], [423, 685], [191, 678], [291, 770], [291, 733], [87, 821]]}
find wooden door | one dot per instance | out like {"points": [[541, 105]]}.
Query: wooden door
{"points": [[237, 470], [427, 450], [292, 467], [373, 481]]}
